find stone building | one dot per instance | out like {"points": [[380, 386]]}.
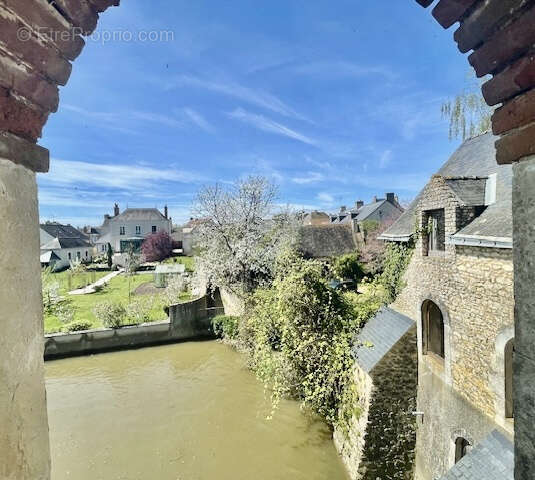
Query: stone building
{"points": [[459, 292], [316, 218]]}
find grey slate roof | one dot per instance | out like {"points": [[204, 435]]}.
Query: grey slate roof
{"points": [[59, 243], [476, 157], [57, 230], [133, 214], [469, 191], [48, 257], [324, 241], [492, 459], [378, 336]]}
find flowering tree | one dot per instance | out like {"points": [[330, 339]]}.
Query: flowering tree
{"points": [[241, 236], [157, 247]]}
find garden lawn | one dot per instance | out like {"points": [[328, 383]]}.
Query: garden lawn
{"points": [[188, 261], [116, 290], [69, 281]]}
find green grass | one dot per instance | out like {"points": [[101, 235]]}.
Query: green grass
{"points": [[68, 281], [116, 290], [188, 261]]}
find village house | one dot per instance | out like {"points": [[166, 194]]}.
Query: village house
{"points": [[459, 293], [316, 218], [128, 229], [380, 210], [63, 244]]}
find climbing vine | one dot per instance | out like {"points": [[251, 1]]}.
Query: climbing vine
{"points": [[396, 259]]}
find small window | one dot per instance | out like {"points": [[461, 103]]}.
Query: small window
{"points": [[436, 231], [86, 254], [70, 256], [78, 255], [122, 230], [154, 229], [432, 329], [509, 354], [138, 230], [461, 448]]}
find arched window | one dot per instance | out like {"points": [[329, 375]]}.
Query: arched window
{"points": [[461, 448], [432, 329], [509, 353]]}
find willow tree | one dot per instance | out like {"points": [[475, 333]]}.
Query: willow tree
{"points": [[468, 113]]}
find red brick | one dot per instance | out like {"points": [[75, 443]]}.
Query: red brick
{"points": [[505, 45], [28, 84], [101, 5], [80, 13], [40, 55], [447, 12], [484, 21], [44, 18], [19, 118], [512, 81], [516, 113], [23, 152], [519, 143]]}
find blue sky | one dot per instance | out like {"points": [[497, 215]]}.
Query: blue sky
{"points": [[335, 101]]}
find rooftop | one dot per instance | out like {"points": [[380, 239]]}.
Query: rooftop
{"points": [[324, 241]]}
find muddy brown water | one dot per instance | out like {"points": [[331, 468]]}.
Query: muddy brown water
{"points": [[189, 411]]}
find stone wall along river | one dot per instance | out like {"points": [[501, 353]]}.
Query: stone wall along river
{"points": [[189, 411]]}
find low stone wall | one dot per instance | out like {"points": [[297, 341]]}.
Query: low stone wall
{"points": [[186, 321]]}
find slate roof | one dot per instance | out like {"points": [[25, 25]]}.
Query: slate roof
{"points": [[324, 241], [476, 157], [360, 214], [137, 214], [59, 243], [378, 337], [57, 230], [469, 190], [492, 459]]}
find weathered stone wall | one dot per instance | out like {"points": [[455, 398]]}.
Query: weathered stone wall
{"points": [[23, 417], [382, 438]]}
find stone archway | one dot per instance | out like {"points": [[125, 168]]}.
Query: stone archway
{"points": [[38, 41]]}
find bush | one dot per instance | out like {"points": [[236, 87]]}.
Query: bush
{"points": [[138, 311], [347, 267], [226, 326], [77, 326], [157, 247], [111, 314], [396, 260], [177, 286]]}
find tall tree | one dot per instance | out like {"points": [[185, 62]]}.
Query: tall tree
{"points": [[241, 234], [468, 113]]}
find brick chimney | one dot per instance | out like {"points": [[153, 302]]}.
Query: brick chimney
{"points": [[359, 204], [391, 197], [165, 212], [116, 210]]}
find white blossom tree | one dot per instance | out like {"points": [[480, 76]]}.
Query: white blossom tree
{"points": [[241, 234]]}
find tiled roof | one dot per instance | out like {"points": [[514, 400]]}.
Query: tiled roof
{"points": [[378, 336], [475, 158], [57, 230], [324, 241], [492, 459]]}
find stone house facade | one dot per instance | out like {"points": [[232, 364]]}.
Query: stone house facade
{"points": [[459, 292]]}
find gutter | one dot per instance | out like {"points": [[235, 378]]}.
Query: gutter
{"points": [[480, 241], [395, 238]]}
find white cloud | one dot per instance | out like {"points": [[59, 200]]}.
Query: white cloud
{"points": [[267, 125], [124, 177], [325, 197], [385, 159], [196, 118], [340, 68], [311, 177], [231, 89]]}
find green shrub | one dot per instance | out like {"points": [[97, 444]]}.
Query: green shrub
{"points": [[396, 259], [111, 314], [348, 267], [226, 326], [138, 310], [77, 326]]}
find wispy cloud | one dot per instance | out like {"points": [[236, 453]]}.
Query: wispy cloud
{"points": [[253, 96], [385, 159], [310, 177], [340, 68], [124, 177], [325, 197], [265, 124], [196, 118]]}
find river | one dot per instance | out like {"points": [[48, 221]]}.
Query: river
{"points": [[188, 411]]}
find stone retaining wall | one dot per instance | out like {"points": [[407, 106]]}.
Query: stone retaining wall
{"points": [[186, 321]]}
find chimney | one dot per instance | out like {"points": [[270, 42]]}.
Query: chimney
{"points": [[343, 209], [391, 197], [106, 217], [116, 210], [374, 199], [165, 212], [359, 204]]}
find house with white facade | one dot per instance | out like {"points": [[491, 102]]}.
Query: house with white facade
{"points": [[63, 244], [128, 229]]}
